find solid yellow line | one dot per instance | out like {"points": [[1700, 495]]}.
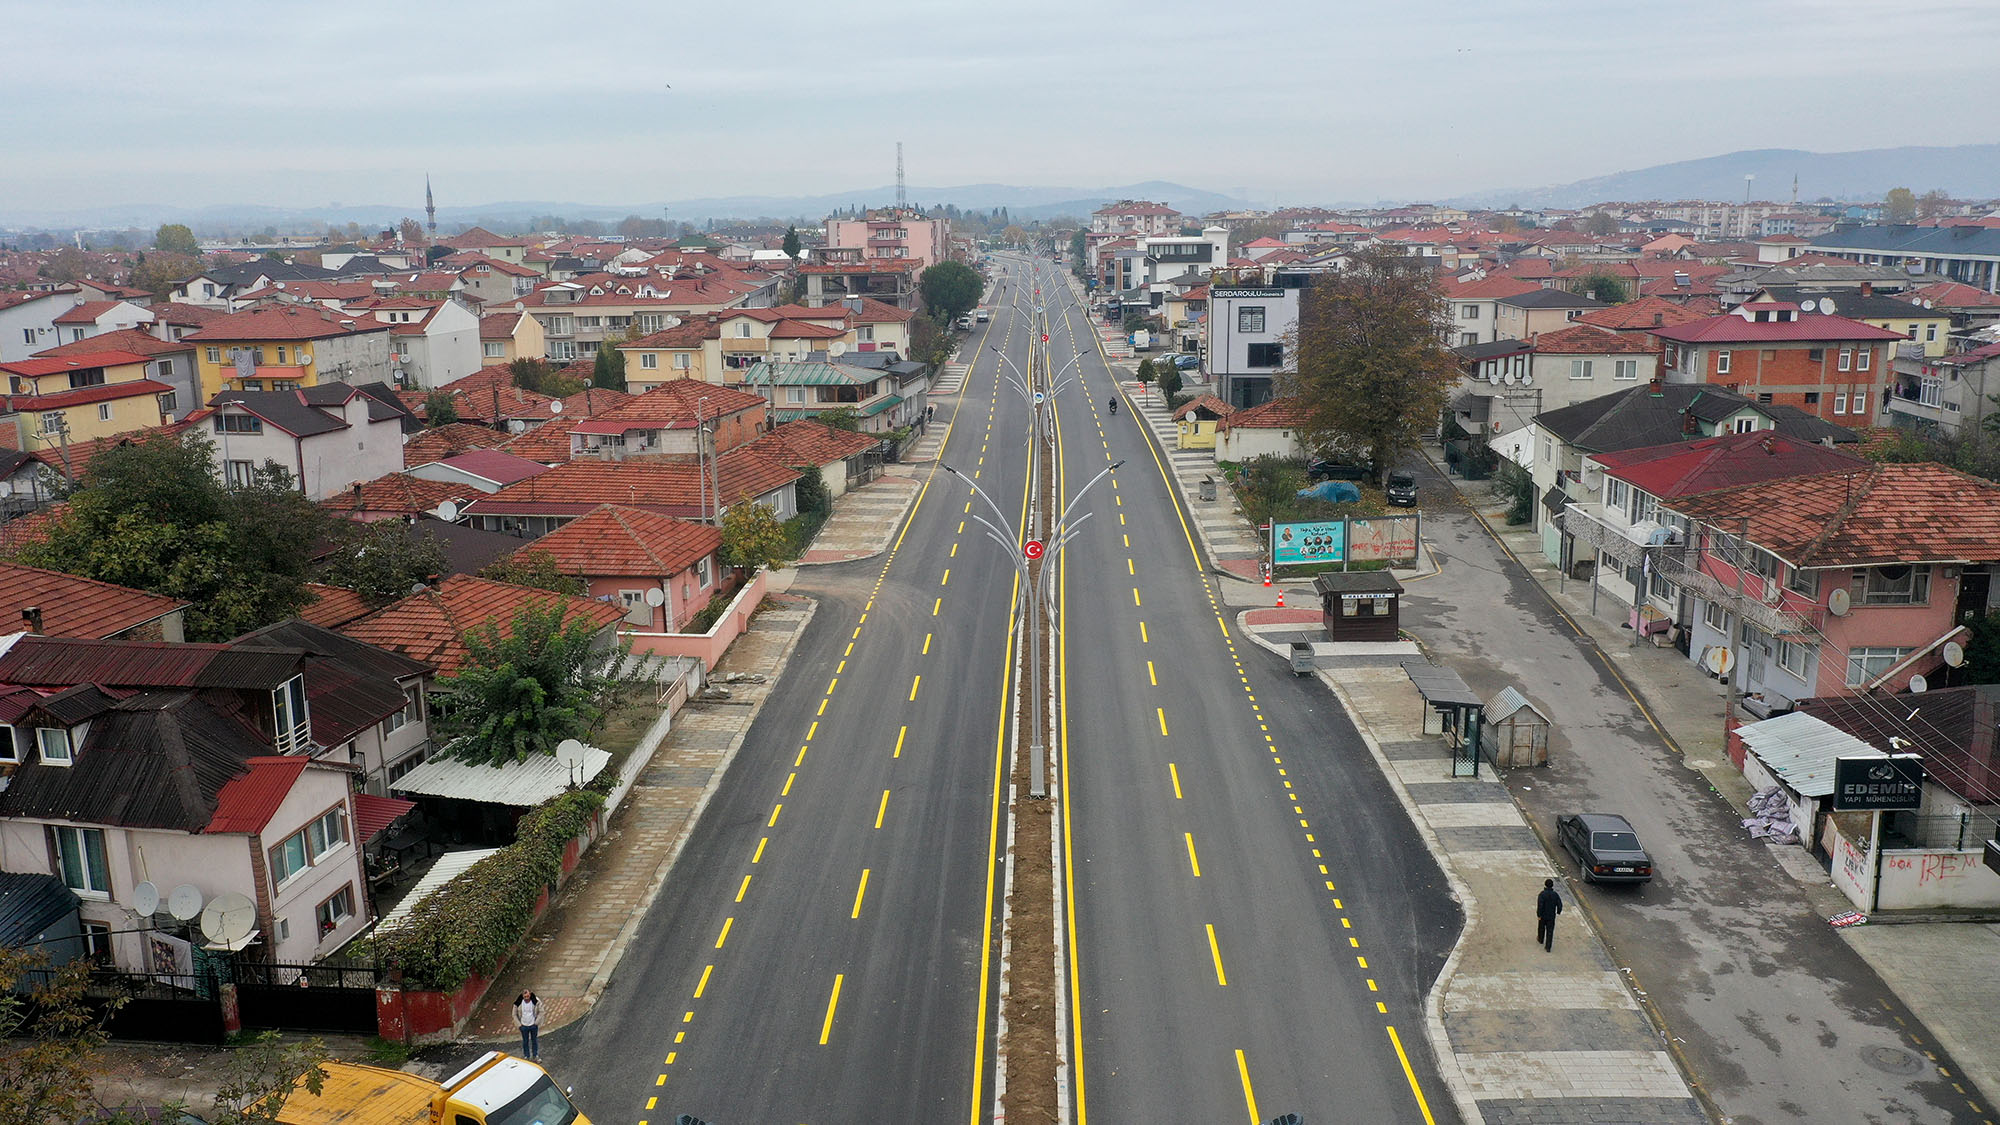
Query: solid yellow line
{"points": [[899, 742], [724, 935], [704, 981], [1192, 861], [1176, 775], [1162, 713], [1416, 1089], [759, 854], [1215, 951], [858, 892], [927, 645], [744, 889], [832, 1002], [1152, 677], [1249, 1095], [914, 684], [883, 810]]}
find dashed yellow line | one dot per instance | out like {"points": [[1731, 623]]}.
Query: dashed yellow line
{"points": [[883, 809], [1193, 862], [859, 892], [832, 1002]]}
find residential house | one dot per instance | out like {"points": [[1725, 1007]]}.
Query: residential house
{"points": [[489, 397], [432, 342], [50, 603], [833, 274], [685, 489], [1269, 428], [682, 418], [1642, 315], [448, 440], [577, 315], [429, 626], [1135, 217], [1970, 308], [95, 318], [1828, 366], [500, 247], [1556, 369], [327, 436], [662, 571], [341, 673], [1927, 332], [169, 362], [1966, 254], [492, 280], [1247, 326], [1523, 316], [1474, 306], [510, 335], [401, 496], [1851, 581], [878, 326], [54, 401], [808, 389], [1185, 312], [1175, 255], [276, 348], [844, 459], [199, 764], [219, 286], [28, 321], [485, 470], [893, 234], [1948, 396]]}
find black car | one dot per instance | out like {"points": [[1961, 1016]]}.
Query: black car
{"points": [[1605, 846], [1326, 468], [1402, 490]]}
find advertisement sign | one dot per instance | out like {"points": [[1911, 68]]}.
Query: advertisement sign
{"points": [[1390, 538], [1891, 784], [1321, 541], [1267, 294]]}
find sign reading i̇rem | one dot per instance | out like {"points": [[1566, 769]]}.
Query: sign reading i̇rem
{"points": [[1889, 784], [1317, 542]]}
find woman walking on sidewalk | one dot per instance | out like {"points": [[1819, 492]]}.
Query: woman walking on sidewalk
{"points": [[528, 1015]]}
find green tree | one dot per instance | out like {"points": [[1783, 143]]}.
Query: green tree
{"points": [[536, 569], [527, 687], [950, 289], [1933, 204], [1604, 287], [1899, 206], [160, 272], [382, 560], [1600, 224], [840, 418], [262, 1075], [1134, 321], [1147, 372], [1079, 248], [540, 376], [151, 515], [1170, 383], [812, 495], [928, 342], [1368, 358], [47, 1063], [608, 369], [176, 238], [412, 231], [791, 245], [754, 538], [440, 409]]}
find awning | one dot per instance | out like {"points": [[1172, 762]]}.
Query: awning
{"points": [[373, 814], [1555, 499], [1440, 687], [521, 784], [1800, 750]]}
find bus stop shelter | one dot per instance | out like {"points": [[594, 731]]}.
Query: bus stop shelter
{"points": [[1450, 709]]}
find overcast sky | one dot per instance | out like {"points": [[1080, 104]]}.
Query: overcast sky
{"points": [[297, 104]]}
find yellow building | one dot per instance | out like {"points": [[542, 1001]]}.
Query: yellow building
{"points": [[57, 400], [507, 336], [1929, 328], [284, 347]]}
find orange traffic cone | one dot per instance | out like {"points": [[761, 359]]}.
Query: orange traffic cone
{"points": [[1267, 578], [1281, 599]]}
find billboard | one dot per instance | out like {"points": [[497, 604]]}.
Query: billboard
{"points": [[1320, 541], [1390, 538], [1888, 784]]}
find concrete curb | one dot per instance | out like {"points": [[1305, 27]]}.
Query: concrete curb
{"points": [[608, 968]]}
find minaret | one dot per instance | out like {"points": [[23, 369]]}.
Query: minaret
{"points": [[430, 211]]}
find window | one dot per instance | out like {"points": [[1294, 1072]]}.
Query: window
{"points": [[1892, 585], [562, 349], [1930, 333], [104, 412], [1816, 355], [865, 334], [239, 474], [743, 331], [1865, 664], [704, 572], [1467, 339], [1616, 494], [52, 422], [1626, 369], [288, 706], [288, 858], [281, 351], [1250, 318], [1803, 582], [1548, 449], [413, 709], [1746, 425], [652, 322], [1859, 404], [28, 337], [1840, 402], [1713, 616], [1846, 359], [9, 749], [212, 355], [1912, 332], [1812, 398], [1792, 658], [1722, 362], [649, 360], [1468, 312], [1863, 358], [97, 942], [1579, 369], [681, 361], [494, 349], [80, 854], [169, 402], [1660, 587], [55, 746], [326, 833], [637, 612], [335, 910], [1645, 507], [92, 378], [795, 394], [238, 424], [1766, 398], [1265, 355]]}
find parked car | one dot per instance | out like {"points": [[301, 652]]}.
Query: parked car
{"points": [[965, 321], [983, 315], [1402, 490], [1186, 362], [1328, 468], [1605, 846]]}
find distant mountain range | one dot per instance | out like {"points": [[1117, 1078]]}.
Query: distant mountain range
{"points": [[1021, 203], [1965, 171]]}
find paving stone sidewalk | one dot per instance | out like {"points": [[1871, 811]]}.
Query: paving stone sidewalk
{"points": [[865, 520]]}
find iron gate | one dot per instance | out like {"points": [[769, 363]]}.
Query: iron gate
{"points": [[320, 996]]}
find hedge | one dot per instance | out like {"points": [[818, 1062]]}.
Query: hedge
{"points": [[472, 923]]}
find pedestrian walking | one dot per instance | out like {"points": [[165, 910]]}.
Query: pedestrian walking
{"points": [[528, 1015], [1548, 904]]}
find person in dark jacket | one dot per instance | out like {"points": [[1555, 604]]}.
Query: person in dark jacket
{"points": [[1548, 904]]}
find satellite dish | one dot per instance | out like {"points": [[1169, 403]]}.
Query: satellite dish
{"points": [[1719, 660], [448, 511], [1806, 305], [1527, 380], [184, 902], [229, 920], [555, 407], [1919, 685], [1954, 654], [1839, 601], [1826, 306], [145, 899], [305, 357], [655, 597], [1493, 375], [570, 753], [1927, 303], [1507, 379]]}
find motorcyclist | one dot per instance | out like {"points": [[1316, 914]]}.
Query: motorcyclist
{"points": [[1114, 406]]}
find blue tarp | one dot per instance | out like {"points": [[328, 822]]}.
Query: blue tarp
{"points": [[1332, 491]]}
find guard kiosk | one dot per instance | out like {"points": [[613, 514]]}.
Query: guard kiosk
{"points": [[1360, 605]]}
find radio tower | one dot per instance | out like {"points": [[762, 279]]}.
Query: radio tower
{"points": [[902, 196]]}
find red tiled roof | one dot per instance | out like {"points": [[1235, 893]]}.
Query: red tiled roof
{"points": [[689, 333], [449, 440], [332, 606], [1646, 312], [1875, 515], [1209, 403], [496, 465], [399, 493], [1586, 339], [1491, 286], [806, 442], [76, 607], [372, 814], [593, 402], [287, 322], [84, 396], [1724, 461], [185, 315], [87, 312], [248, 801], [1950, 295], [547, 443], [129, 340], [1287, 413], [671, 487], [31, 528], [499, 326], [618, 541], [480, 237], [428, 626], [805, 330], [677, 401], [75, 361], [881, 312], [1730, 328]]}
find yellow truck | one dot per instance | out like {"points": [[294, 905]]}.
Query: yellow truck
{"points": [[497, 1089]]}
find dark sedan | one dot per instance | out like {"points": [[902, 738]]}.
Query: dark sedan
{"points": [[1605, 846]]}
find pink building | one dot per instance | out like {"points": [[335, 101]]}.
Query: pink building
{"points": [[662, 571], [891, 235]]}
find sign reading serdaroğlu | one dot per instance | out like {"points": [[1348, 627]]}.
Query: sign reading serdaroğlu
{"points": [[1893, 783]]}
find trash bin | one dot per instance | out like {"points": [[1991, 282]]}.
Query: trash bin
{"points": [[1302, 658], [1208, 488]]}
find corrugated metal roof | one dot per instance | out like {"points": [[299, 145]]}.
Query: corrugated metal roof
{"points": [[449, 866], [157, 664], [1440, 685], [372, 814], [521, 784], [1801, 750], [249, 800], [1507, 702], [30, 904]]}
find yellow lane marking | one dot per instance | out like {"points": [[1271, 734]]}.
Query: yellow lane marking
{"points": [[936, 605], [961, 527], [1135, 595], [927, 645], [1128, 567], [1249, 1095], [775, 810], [883, 810], [1215, 951], [740, 892], [954, 551], [789, 778], [858, 892], [822, 708], [840, 667], [1152, 677], [1411, 1076], [758, 855], [1176, 775], [832, 1002], [1162, 713], [724, 935], [801, 759], [914, 684], [946, 580], [704, 981], [1192, 861], [832, 684], [900, 735], [1143, 638], [850, 649]]}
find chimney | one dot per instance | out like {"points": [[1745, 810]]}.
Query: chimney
{"points": [[1867, 289], [1657, 388], [33, 616]]}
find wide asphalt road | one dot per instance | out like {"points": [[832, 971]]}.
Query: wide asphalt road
{"points": [[820, 953], [1254, 921]]}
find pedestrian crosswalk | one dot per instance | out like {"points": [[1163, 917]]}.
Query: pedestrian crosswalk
{"points": [[1221, 528], [950, 381]]}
